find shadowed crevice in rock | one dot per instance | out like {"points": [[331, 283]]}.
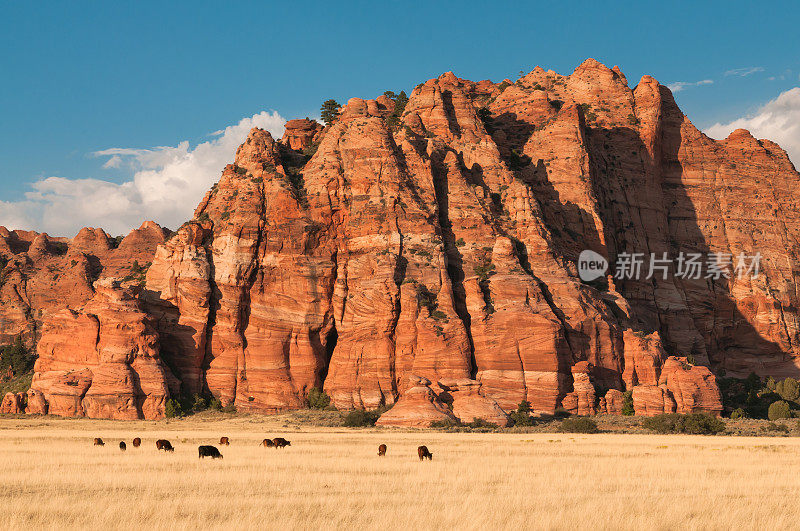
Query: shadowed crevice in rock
{"points": [[455, 263]]}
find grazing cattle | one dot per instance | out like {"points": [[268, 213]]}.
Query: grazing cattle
{"points": [[123, 446], [268, 443], [224, 441], [382, 450], [280, 442], [163, 444], [137, 442], [99, 442], [208, 451], [423, 452]]}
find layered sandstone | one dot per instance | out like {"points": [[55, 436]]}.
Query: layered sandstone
{"points": [[300, 134], [101, 361], [43, 274], [443, 247]]}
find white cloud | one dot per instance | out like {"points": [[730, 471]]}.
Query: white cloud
{"points": [[778, 120], [167, 184], [680, 85], [744, 72]]}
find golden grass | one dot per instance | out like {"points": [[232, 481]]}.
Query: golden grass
{"points": [[52, 477]]}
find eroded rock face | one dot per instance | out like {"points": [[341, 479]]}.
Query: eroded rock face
{"points": [[101, 361], [13, 403], [444, 247], [300, 134], [418, 407], [41, 275]]}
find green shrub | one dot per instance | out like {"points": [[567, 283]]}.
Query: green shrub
{"points": [[777, 427], [701, 424], [16, 356], [445, 423], [738, 413], [789, 389], [627, 403], [478, 423], [215, 404], [779, 410], [317, 399], [522, 416], [360, 418], [198, 403], [693, 423], [578, 425], [173, 409]]}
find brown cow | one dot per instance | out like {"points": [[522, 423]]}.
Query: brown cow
{"points": [[123, 446], [280, 442], [99, 442], [382, 450], [224, 441], [268, 443], [423, 452], [137, 442], [163, 444]]}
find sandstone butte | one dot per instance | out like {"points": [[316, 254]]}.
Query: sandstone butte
{"points": [[430, 262]]}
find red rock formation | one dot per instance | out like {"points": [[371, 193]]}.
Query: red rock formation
{"points": [[693, 387], [650, 400], [611, 403], [469, 404], [418, 408], [101, 361], [13, 403], [445, 248], [299, 134], [44, 274]]}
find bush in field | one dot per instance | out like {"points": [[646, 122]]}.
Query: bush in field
{"points": [[578, 425], [173, 409], [627, 403], [779, 410], [361, 418], [789, 389], [693, 423], [317, 399], [522, 416]]}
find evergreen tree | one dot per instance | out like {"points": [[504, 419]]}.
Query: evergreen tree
{"points": [[330, 111]]}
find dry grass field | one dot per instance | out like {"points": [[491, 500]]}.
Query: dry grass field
{"points": [[52, 477]]}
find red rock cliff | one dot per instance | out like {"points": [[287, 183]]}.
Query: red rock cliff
{"points": [[442, 249]]}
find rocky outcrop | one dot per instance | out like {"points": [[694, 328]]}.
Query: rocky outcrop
{"points": [[41, 275], [101, 361], [693, 387], [418, 408], [469, 404], [13, 403], [300, 134], [441, 242]]}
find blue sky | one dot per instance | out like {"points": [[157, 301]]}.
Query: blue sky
{"points": [[78, 78]]}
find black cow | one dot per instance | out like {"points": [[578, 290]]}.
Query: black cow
{"points": [[208, 451], [123, 446], [280, 442], [99, 442]]}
